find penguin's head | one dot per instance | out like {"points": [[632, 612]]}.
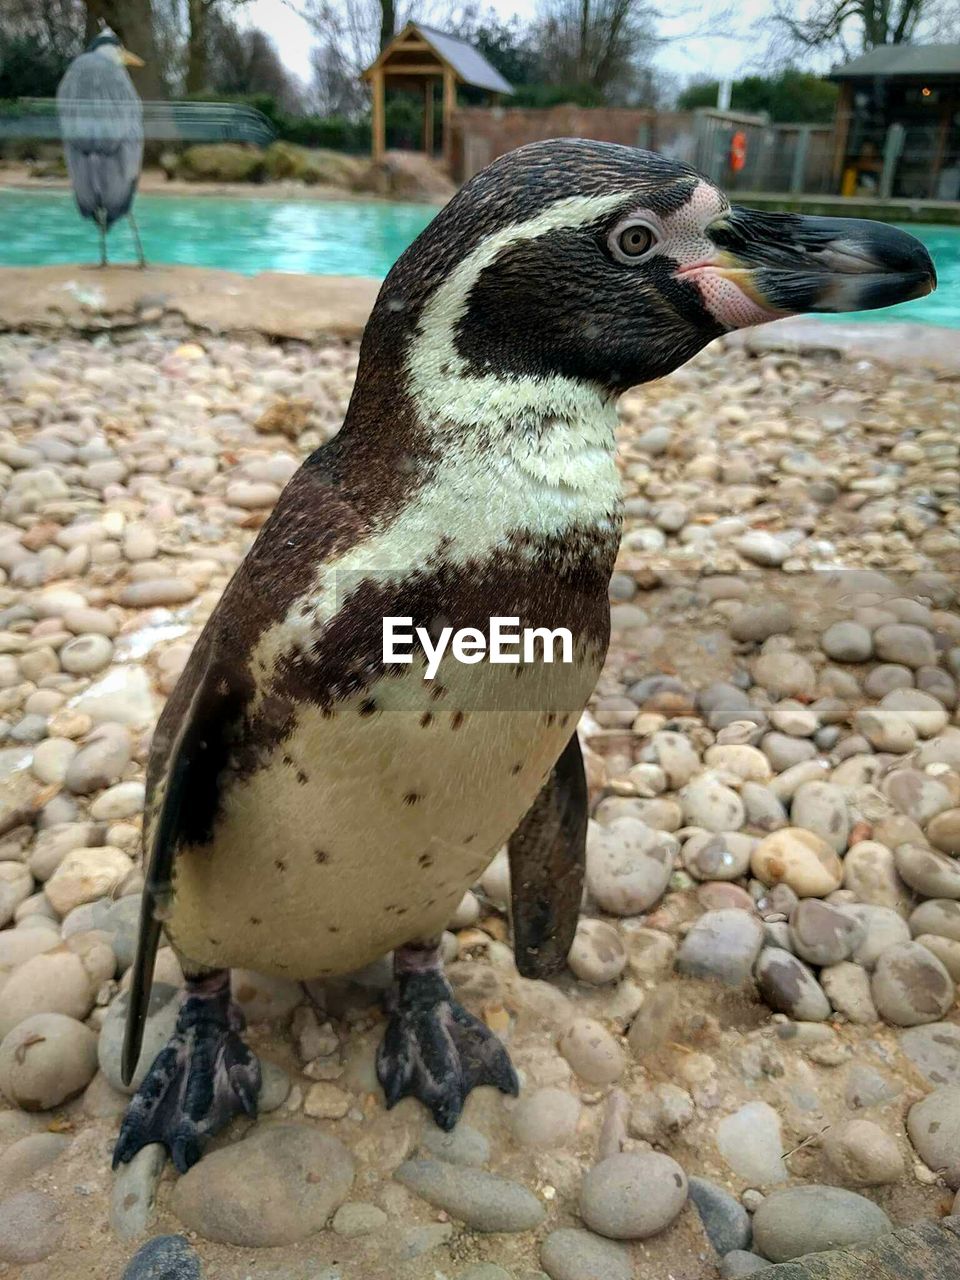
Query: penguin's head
{"points": [[609, 265]]}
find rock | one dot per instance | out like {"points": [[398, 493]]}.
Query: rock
{"points": [[16, 885], [164, 1258], [161, 1021], [134, 1190], [789, 987], [545, 1119], [870, 872], [916, 795], [85, 875], [722, 945], [945, 949], [28, 1156], [925, 712], [821, 934], [933, 1124], [675, 755], [123, 800], [628, 865], [482, 1200], [724, 1218], [812, 1219], [847, 642], [592, 1051], [325, 1101], [277, 1186], [882, 928], [940, 916], [30, 1227], [759, 622], [762, 548], [862, 1154], [721, 856], [885, 730], [740, 1263], [800, 859], [52, 982], [631, 1197], [597, 954], [868, 1088], [847, 987], [54, 843], [574, 1254], [45, 1060], [933, 874], [934, 1050], [356, 1219], [86, 655], [51, 759], [157, 591], [262, 997], [750, 1142], [98, 763], [707, 803], [821, 807], [943, 831], [900, 642], [463, 1145], [785, 675], [910, 986]]}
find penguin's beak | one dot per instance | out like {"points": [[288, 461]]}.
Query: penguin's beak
{"points": [[130, 59], [775, 264]]}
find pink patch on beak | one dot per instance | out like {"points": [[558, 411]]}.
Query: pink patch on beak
{"points": [[725, 300]]}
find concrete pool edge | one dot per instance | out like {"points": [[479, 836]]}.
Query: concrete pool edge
{"points": [[278, 306]]}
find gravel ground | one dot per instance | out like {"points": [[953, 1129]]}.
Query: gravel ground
{"points": [[756, 1051]]}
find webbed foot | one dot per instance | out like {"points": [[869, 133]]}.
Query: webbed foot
{"points": [[200, 1079], [435, 1050]]}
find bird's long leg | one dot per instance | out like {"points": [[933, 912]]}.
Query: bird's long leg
{"points": [[141, 260], [203, 1076], [102, 225], [433, 1048]]}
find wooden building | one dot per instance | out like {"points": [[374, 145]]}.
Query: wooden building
{"points": [[898, 123], [421, 56]]}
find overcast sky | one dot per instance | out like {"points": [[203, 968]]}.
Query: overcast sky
{"points": [[733, 53]]}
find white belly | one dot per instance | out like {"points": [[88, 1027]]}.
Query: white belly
{"points": [[362, 832]]}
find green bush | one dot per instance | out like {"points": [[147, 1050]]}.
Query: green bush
{"points": [[222, 162]]}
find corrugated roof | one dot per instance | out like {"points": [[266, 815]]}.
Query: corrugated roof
{"points": [[903, 60], [469, 63]]}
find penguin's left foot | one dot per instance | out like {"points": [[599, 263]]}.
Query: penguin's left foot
{"points": [[202, 1077], [433, 1048]]}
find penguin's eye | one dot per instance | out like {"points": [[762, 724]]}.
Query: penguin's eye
{"points": [[634, 241]]}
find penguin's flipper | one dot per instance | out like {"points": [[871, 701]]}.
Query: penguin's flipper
{"points": [[547, 857]]}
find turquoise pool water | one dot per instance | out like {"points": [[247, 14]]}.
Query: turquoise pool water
{"points": [[317, 237]]}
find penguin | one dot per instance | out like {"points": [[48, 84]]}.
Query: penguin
{"points": [[314, 804]]}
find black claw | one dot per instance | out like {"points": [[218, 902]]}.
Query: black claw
{"points": [[202, 1077], [434, 1050]]}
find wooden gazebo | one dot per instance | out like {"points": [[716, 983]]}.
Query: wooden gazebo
{"points": [[423, 55]]}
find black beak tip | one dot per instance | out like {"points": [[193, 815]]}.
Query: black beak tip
{"points": [[903, 254]]}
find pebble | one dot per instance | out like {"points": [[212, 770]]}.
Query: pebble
{"points": [[545, 1119], [751, 1143], [882, 928], [86, 655], [812, 1219], [759, 622], [159, 1027], [933, 874], [740, 1263], [724, 1219], [868, 1088], [463, 1145], [847, 987], [821, 807], [847, 642], [903, 643], [357, 1219], [762, 548], [789, 987], [911, 986], [85, 875], [723, 945], [133, 1192], [943, 831], [157, 591], [597, 954], [721, 856], [870, 872], [16, 885], [800, 859], [940, 916], [632, 1197], [886, 730], [30, 1227], [52, 758], [53, 982], [278, 1186], [45, 1060], [482, 1200], [98, 764], [28, 1156], [933, 1124], [934, 1050], [573, 1254], [628, 865], [592, 1051], [164, 1258], [707, 803], [861, 1154], [123, 800], [822, 934], [785, 675]]}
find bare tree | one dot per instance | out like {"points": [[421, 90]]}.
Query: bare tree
{"points": [[854, 26], [245, 61], [599, 44], [133, 21]]}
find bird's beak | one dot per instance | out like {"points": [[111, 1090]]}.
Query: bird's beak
{"points": [[130, 59], [769, 265]]}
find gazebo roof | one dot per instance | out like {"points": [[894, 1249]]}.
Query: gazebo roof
{"points": [[467, 63], [903, 60]]}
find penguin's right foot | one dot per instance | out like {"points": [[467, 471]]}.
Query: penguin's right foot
{"points": [[433, 1048], [200, 1079]]}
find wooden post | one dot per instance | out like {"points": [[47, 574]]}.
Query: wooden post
{"points": [[841, 131], [428, 116], [379, 123], [449, 105]]}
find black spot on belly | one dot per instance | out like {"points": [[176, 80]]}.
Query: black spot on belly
{"points": [[215, 942], [438, 691], [368, 706], [302, 778], [470, 838], [457, 719], [280, 864], [425, 860], [550, 717], [255, 920], [412, 797], [333, 928], [425, 719], [288, 760], [516, 768], [320, 856], [430, 902]]}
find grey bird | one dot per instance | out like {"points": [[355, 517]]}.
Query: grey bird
{"points": [[101, 122]]}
